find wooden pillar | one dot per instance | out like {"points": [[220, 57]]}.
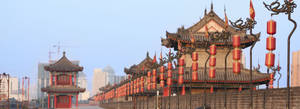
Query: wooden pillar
{"points": [[75, 79], [48, 101], [77, 100], [70, 101], [54, 101], [70, 79], [55, 80]]}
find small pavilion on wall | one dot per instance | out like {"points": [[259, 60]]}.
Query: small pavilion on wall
{"points": [[63, 83]]}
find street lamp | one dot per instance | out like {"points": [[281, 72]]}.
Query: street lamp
{"points": [[286, 8]]}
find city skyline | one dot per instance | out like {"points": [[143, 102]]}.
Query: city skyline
{"points": [[92, 39]]}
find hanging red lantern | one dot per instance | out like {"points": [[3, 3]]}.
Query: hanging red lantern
{"points": [[169, 73], [138, 85], [213, 49], [169, 65], [154, 72], [271, 27], [212, 72], [181, 62], [162, 69], [183, 90], [270, 57], [131, 88], [162, 83], [134, 86], [195, 66], [194, 75], [169, 81], [180, 79], [211, 89], [271, 43], [236, 67], [236, 41], [212, 61], [180, 70], [272, 76], [240, 88], [149, 74], [195, 56], [161, 76], [236, 54], [154, 79]]}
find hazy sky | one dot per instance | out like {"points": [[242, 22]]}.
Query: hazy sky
{"points": [[115, 32]]}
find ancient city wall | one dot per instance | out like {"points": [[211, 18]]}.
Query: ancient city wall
{"points": [[274, 99]]}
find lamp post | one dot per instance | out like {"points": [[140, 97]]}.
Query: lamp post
{"points": [[249, 24], [286, 8]]}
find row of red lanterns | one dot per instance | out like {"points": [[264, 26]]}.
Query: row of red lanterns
{"points": [[195, 66], [236, 65], [180, 74], [270, 46], [212, 61]]}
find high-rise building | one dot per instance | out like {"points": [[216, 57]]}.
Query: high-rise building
{"points": [[295, 71], [82, 82], [13, 88], [99, 80]]}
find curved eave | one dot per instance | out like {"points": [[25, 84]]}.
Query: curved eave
{"points": [[49, 90], [47, 68]]}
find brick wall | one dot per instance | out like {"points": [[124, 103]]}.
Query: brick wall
{"points": [[274, 99]]}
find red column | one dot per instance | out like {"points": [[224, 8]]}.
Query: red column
{"points": [[55, 80], [70, 101], [75, 80], [77, 100], [54, 101], [70, 79], [48, 101]]}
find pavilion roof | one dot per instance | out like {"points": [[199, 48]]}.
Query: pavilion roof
{"points": [[63, 65], [214, 24], [146, 63]]}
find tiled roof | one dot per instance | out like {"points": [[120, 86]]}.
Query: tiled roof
{"points": [[63, 65]]}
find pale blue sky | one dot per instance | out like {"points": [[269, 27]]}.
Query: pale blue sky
{"points": [[114, 32]]}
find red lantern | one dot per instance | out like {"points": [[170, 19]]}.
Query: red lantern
{"points": [[169, 81], [180, 79], [149, 74], [236, 54], [271, 27], [169, 73], [131, 88], [180, 70], [212, 72], [181, 62], [194, 75], [211, 89], [154, 86], [236, 67], [183, 90], [213, 50], [161, 76], [162, 83], [195, 56], [212, 61], [195, 66], [270, 57], [138, 85], [236, 41], [271, 43], [240, 88], [154, 72], [162, 69], [169, 65], [272, 76]]}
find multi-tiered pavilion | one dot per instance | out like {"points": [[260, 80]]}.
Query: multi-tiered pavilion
{"points": [[63, 83]]}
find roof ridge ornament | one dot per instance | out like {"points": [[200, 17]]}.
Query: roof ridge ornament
{"points": [[211, 6], [64, 53]]}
